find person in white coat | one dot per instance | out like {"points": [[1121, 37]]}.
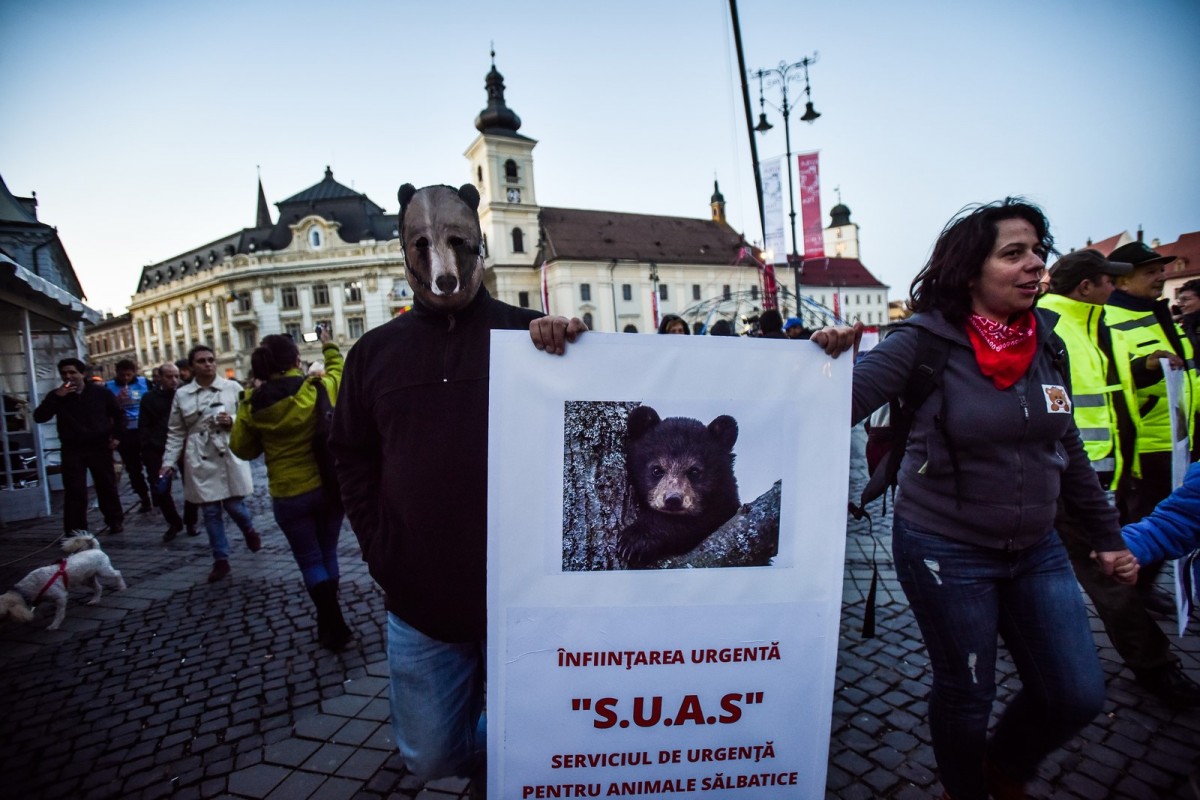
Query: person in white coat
{"points": [[215, 479]]}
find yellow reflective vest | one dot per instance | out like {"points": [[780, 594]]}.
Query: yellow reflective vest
{"points": [[1092, 391], [1138, 333]]}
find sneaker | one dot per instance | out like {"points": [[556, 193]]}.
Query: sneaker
{"points": [[1170, 685], [253, 541], [172, 532], [219, 570]]}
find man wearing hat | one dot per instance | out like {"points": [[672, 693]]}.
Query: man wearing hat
{"points": [[1141, 323], [1080, 284], [794, 329]]}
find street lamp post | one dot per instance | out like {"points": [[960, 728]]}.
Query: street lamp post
{"points": [[779, 76]]}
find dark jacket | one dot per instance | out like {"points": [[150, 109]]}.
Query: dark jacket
{"points": [[85, 420], [984, 465], [154, 414], [410, 437]]}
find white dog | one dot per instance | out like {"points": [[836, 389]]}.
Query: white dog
{"points": [[84, 565]]}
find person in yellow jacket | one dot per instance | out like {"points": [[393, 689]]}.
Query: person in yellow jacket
{"points": [[278, 419], [1080, 284], [1142, 326]]}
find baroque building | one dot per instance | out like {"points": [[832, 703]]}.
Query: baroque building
{"points": [[332, 257]]}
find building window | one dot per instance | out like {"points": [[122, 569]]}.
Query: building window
{"points": [[289, 297], [225, 348], [244, 302], [206, 310], [314, 237], [585, 292], [320, 294], [354, 292], [249, 337], [523, 299], [627, 291], [354, 327], [662, 292], [179, 317], [754, 292], [518, 241], [726, 293], [510, 171], [292, 329], [695, 291], [587, 320]]}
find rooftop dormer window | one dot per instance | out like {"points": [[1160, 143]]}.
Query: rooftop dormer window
{"points": [[314, 238]]}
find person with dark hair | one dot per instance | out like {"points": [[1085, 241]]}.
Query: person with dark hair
{"points": [[988, 455], [215, 478], [129, 388], [770, 324], [1188, 300], [277, 420], [673, 323], [89, 427], [154, 416], [721, 327], [185, 371]]}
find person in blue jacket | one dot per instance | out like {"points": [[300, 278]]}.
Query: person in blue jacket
{"points": [[1172, 529]]}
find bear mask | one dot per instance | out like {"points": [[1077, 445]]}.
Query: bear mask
{"points": [[443, 244]]}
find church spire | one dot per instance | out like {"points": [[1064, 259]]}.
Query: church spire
{"points": [[497, 118], [263, 219]]}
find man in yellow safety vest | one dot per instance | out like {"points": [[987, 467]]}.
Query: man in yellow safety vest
{"points": [[1080, 284]]}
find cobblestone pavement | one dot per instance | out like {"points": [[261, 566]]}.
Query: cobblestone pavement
{"points": [[178, 688]]}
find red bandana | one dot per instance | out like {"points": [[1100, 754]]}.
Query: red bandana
{"points": [[1003, 352]]}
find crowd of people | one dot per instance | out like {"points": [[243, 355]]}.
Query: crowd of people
{"points": [[1047, 431]]}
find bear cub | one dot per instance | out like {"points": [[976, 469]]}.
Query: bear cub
{"points": [[681, 472]]}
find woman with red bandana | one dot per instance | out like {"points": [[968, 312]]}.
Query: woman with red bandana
{"points": [[989, 453]]}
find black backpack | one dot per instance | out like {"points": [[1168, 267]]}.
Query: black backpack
{"points": [[321, 452]]}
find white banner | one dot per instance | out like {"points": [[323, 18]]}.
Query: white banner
{"points": [[772, 180], [609, 681], [1180, 461]]}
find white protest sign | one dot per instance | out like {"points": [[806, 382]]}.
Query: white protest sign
{"points": [[607, 681]]}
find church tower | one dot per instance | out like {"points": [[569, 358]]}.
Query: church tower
{"points": [[717, 203], [502, 170], [841, 237]]}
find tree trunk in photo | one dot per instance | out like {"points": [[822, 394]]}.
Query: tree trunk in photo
{"points": [[596, 495]]}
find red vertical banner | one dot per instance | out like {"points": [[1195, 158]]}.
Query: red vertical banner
{"points": [[654, 303], [810, 205]]}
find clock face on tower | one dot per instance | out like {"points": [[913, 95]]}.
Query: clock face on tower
{"points": [[514, 195]]}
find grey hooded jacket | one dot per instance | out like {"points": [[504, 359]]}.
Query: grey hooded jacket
{"points": [[983, 465]]}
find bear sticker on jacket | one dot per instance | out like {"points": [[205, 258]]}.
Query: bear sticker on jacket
{"points": [[681, 472]]}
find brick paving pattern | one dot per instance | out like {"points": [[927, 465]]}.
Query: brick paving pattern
{"points": [[178, 688]]}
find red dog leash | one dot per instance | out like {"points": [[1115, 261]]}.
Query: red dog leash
{"points": [[62, 573]]}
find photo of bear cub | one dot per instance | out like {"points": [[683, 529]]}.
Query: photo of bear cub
{"points": [[682, 476]]}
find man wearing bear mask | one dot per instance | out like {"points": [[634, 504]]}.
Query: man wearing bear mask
{"points": [[410, 441]]}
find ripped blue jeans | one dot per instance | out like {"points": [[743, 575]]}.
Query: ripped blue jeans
{"points": [[965, 597]]}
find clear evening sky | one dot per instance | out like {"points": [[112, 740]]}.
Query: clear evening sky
{"points": [[140, 123]]}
